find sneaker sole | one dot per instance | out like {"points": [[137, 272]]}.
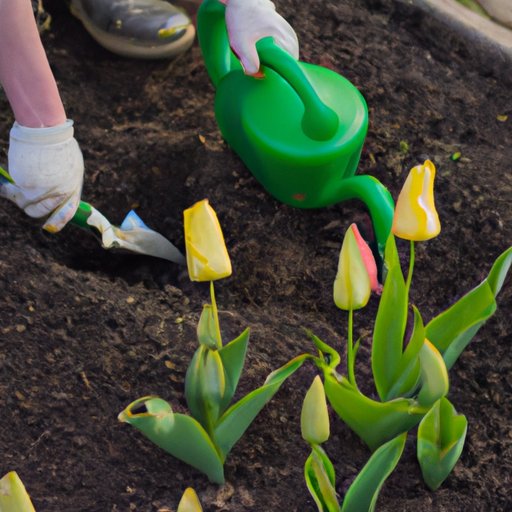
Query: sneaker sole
{"points": [[124, 46]]}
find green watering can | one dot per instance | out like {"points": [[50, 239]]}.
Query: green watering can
{"points": [[300, 128]]}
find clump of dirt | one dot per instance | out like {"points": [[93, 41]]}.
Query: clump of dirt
{"points": [[83, 332]]}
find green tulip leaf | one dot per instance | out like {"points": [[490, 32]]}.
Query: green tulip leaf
{"points": [[213, 386], [441, 436], [452, 330], [362, 495], [233, 358], [189, 442], [388, 334], [374, 422], [180, 435], [320, 480], [329, 356], [499, 271], [407, 374], [235, 421], [194, 387]]}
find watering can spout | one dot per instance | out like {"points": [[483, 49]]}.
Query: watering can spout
{"points": [[377, 199]]}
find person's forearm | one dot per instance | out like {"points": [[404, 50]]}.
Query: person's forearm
{"points": [[25, 73]]}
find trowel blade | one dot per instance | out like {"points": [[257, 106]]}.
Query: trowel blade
{"points": [[134, 236]]}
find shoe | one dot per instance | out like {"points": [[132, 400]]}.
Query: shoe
{"points": [[499, 10], [43, 19], [146, 29]]}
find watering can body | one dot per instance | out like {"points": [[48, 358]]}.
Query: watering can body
{"points": [[300, 129]]}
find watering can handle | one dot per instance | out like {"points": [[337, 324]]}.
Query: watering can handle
{"points": [[320, 122]]}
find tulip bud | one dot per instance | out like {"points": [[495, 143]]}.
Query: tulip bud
{"points": [[13, 495], [206, 329], [213, 380], [205, 385], [190, 502], [314, 418], [207, 256], [415, 213], [352, 285], [434, 375], [368, 260]]}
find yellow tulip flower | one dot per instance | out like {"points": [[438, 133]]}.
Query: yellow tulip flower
{"points": [[207, 256], [416, 217], [352, 286]]}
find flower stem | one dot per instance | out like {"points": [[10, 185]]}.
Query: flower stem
{"points": [[350, 349], [411, 267], [215, 315]]}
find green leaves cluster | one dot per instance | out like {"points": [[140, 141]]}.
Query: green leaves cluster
{"points": [[411, 376], [205, 438]]}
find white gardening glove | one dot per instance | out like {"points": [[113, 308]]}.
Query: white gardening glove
{"points": [[47, 168], [248, 21]]}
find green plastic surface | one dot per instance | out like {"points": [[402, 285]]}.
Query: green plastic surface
{"points": [[82, 213], [300, 128]]}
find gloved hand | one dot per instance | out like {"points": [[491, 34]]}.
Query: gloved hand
{"points": [[248, 21], [47, 167]]}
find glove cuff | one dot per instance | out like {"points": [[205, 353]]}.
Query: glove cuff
{"points": [[42, 136]]}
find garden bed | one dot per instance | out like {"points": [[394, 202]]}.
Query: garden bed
{"points": [[83, 332]]}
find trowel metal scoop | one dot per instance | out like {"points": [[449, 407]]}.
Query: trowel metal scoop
{"points": [[132, 235]]}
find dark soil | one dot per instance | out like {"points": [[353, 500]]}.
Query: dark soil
{"points": [[83, 331]]}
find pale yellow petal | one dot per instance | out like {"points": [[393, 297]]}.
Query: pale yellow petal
{"points": [[415, 216], [207, 255]]}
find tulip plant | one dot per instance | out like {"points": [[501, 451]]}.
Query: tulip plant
{"points": [[205, 438], [319, 471], [411, 376]]}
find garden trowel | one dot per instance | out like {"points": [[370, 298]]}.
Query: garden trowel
{"points": [[132, 235]]}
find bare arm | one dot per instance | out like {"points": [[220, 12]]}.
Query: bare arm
{"points": [[25, 73]]}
